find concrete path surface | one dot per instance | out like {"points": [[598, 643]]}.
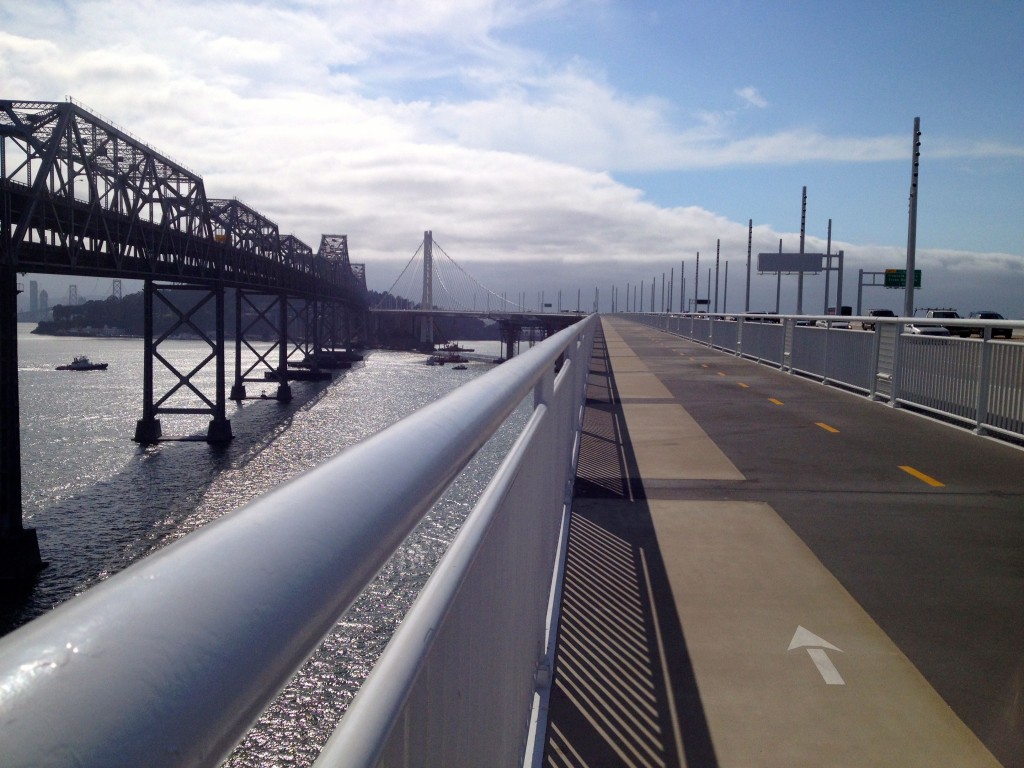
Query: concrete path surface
{"points": [[764, 571]]}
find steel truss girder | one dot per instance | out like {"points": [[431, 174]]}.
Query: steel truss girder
{"points": [[81, 196]]}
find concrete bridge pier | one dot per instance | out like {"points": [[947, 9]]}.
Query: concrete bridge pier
{"points": [[425, 333], [20, 560], [510, 335]]}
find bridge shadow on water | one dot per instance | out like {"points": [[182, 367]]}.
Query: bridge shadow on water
{"points": [[149, 503], [624, 690]]}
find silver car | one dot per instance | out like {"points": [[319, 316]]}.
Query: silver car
{"points": [[927, 330]]}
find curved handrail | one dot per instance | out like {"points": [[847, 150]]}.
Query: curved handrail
{"points": [[171, 661], [401, 693]]}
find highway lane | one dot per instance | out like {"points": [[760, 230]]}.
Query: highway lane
{"points": [[922, 524]]}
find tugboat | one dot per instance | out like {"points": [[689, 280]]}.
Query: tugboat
{"points": [[82, 363], [448, 354]]}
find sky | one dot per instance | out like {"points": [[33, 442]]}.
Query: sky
{"points": [[577, 147]]}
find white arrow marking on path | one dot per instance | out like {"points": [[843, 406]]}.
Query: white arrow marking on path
{"points": [[816, 650]]}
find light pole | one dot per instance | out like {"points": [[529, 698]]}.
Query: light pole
{"points": [[908, 297]]}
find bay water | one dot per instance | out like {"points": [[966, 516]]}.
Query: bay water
{"points": [[99, 502]]}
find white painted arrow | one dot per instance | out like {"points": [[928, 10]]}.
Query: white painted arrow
{"points": [[816, 650]]}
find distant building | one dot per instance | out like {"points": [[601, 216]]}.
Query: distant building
{"points": [[44, 301], [33, 296]]}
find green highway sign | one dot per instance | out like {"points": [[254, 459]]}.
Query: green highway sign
{"points": [[897, 278]]}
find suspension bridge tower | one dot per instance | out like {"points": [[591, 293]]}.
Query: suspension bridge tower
{"points": [[427, 322]]}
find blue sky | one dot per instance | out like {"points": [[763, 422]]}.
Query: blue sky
{"points": [[573, 144], [847, 71]]}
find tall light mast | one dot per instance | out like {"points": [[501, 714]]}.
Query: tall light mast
{"points": [[908, 300]]}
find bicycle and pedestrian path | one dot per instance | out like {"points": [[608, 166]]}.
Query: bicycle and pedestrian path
{"points": [[764, 571]]}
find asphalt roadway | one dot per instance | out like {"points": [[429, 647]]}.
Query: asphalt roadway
{"points": [[765, 571]]}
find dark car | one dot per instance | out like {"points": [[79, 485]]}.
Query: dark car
{"points": [[877, 313], [985, 314]]}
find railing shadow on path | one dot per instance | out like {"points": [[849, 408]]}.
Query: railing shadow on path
{"points": [[624, 690]]}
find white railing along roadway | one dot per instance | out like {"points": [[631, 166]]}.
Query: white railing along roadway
{"points": [[976, 382]]}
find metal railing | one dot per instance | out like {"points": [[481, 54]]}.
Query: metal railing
{"points": [[169, 662], [976, 382]]}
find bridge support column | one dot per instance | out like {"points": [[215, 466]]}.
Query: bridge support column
{"points": [[238, 387], [19, 548], [219, 430], [510, 333], [284, 392], [313, 308], [147, 429], [425, 333]]}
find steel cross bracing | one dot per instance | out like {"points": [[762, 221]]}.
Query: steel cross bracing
{"points": [[80, 196], [257, 317]]}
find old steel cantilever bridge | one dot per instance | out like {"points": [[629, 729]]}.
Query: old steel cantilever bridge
{"points": [[80, 196]]}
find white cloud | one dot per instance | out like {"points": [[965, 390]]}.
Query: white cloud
{"points": [[286, 107], [752, 97]]}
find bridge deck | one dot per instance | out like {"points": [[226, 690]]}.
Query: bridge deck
{"points": [[764, 571]]}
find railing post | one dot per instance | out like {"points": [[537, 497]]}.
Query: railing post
{"points": [[876, 351], [786, 358], [984, 376], [544, 389], [897, 367], [825, 352]]}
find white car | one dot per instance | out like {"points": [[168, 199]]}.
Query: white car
{"points": [[927, 330]]}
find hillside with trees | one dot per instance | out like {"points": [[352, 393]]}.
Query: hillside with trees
{"points": [[125, 317]]}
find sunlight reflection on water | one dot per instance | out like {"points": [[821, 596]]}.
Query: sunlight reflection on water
{"points": [[99, 501]]}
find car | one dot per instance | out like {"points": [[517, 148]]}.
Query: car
{"points": [[922, 329], [762, 317], [985, 314], [838, 324], [948, 314], [877, 313]]}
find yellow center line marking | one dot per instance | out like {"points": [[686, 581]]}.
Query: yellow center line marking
{"points": [[721, 374], [923, 477], [773, 400], [703, 365], [826, 427], [745, 386]]}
